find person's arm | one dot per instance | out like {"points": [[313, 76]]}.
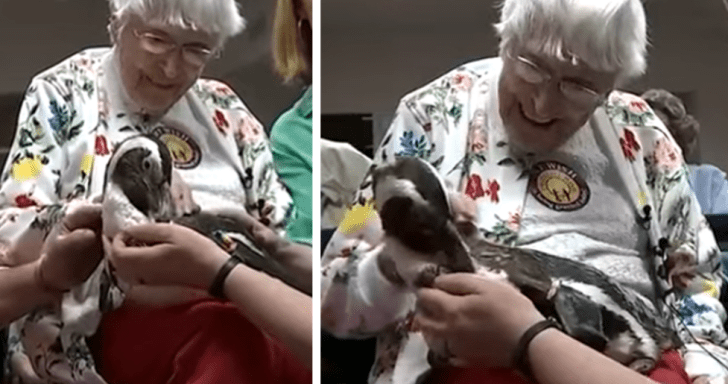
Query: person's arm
{"points": [[481, 321], [70, 254], [273, 307], [176, 255], [22, 282], [556, 358], [295, 258], [266, 198], [33, 199], [690, 241]]}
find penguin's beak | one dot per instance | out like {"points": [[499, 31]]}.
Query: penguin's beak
{"points": [[161, 206]]}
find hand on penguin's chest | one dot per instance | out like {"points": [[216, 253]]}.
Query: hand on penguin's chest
{"points": [[139, 189]]}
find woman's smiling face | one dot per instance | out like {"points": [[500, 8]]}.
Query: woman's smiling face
{"points": [[159, 63]]}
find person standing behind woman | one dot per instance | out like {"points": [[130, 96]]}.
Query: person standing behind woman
{"points": [[707, 181], [291, 133]]}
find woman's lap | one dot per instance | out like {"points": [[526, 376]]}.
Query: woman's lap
{"points": [[201, 342]]}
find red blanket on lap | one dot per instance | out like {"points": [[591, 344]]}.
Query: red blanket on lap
{"points": [[669, 370], [202, 342]]}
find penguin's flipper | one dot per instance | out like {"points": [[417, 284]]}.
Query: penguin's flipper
{"points": [[580, 317], [238, 243]]}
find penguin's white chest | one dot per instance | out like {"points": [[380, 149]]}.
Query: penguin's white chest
{"points": [[118, 213]]}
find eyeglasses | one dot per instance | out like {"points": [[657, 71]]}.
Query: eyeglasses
{"points": [[576, 93], [193, 55]]}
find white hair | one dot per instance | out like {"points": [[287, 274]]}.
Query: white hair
{"points": [[607, 35], [217, 17]]}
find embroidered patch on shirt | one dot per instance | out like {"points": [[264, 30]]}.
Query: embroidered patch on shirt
{"points": [[185, 152], [558, 187]]}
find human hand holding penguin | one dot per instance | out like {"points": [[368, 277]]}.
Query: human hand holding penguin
{"points": [[72, 250], [156, 234], [294, 257], [475, 320], [166, 254]]}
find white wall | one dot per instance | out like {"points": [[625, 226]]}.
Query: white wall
{"points": [[367, 71]]}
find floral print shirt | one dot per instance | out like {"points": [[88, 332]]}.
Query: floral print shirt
{"points": [[71, 119], [585, 201]]}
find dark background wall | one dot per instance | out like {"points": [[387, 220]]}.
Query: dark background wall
{"points": [[375, 51], [36, 34]]}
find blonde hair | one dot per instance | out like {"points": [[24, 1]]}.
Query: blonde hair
{"points": [[607, 35], [288, 57], [220, 18]]}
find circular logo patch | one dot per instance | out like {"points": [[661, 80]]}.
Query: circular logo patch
{"points": [[558, 187], [185, 152]]}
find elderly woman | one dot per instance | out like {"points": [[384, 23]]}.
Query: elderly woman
{"points": [[551, 158], [176, 255], [73, 116]]}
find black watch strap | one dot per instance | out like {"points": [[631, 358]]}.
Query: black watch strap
{"points": [[217, 289], [520, 360]]}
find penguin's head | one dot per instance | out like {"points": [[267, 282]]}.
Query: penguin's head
{"points": [[141, 167], [408, 183]]}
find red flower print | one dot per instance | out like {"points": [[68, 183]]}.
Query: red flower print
{"points": [[474, 189], [248, 130], [101, 147], [84, 63], [462, 82], [630, 145], [220, 121], [223, 90], [666, 155], [492, 190], [23, 201], [427, 127], [637, 106], [514, 220]]}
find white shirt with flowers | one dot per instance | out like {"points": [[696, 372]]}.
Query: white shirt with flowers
{"points": [[584, 201], [73, 116]]}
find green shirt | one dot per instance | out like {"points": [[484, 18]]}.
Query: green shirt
{"points": [[291, 141]]}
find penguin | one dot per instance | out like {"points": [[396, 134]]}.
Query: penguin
{"points": [[137, 185], [415, 210], [138, 189], [589, 305], [416, 215]]}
